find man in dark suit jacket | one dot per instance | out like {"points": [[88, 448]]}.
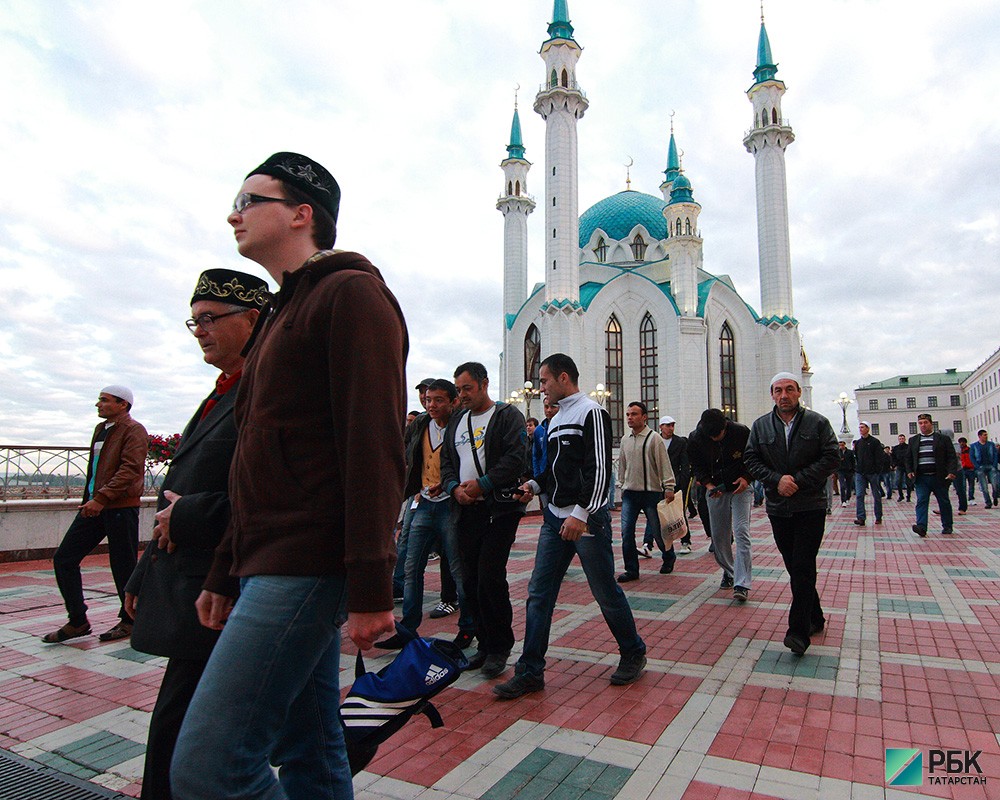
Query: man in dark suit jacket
{"points": [[193, 511], [932, 464], [677, 452]]}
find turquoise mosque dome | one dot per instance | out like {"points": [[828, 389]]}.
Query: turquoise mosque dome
{"points": [[618, 214]]}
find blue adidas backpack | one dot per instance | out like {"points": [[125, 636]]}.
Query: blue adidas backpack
{"points": [[380, 703]]}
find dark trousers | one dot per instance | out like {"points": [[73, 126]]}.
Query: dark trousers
{"points": [[798, 538], [120, 526], [846, 481], [178, 685], [703, 510], [903, 479], [449, 591], [484, 543]]}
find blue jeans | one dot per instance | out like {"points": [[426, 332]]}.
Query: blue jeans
{"points": [[861, 484], [634, 501], [552, 559], [925, 485], [989, 484], [969, 476], [269, 694], [903, 481], [730, 515], [399, 573], [432, 522]]}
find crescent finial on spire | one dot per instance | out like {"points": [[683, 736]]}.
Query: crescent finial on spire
{"points": [[628, 174], [517, 88]]}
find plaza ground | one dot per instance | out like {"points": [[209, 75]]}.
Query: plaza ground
{"points": [[910, 659]]}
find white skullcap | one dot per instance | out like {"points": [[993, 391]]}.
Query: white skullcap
{"points": [[119, 391], [667, 421], [785, 376], [866, 423]]}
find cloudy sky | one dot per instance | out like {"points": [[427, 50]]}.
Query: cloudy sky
{"points": [[127, 129]]}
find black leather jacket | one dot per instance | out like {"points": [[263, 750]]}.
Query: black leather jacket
{"points": [[810, 457]]}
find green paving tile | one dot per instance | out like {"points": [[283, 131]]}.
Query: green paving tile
{"points": [[656, 604], [559, 767], [19, 591], [128, 654], [522, 554], [64, 765], [904, 606], [101, 751], [774, 662], [559, 776], [961, 572], [566, 791], [838, 554], [585, 773], [769, 572], [612, 780]]}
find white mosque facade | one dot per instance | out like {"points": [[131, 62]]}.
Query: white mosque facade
{"points": [[626, 293]]}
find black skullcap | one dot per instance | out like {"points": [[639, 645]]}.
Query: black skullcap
{"points": [[232, 287], [306, 175], [713, 421]]}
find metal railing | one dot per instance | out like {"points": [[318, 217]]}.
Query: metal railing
{"points": [[32, 472]]}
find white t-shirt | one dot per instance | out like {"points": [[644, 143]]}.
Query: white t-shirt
{"points": [[467, 465]]}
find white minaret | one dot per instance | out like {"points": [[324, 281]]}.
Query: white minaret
{"points": [[515, 204], [684, 242], [767, 140], [561, 103]]}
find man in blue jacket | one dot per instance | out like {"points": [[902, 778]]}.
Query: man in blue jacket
{"points": [[985, 461], [793, 452]]}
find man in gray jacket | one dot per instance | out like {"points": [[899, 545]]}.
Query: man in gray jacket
{"points": [[793, 451]]}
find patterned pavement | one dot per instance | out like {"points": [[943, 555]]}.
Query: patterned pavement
{"points": [[909, 660]]}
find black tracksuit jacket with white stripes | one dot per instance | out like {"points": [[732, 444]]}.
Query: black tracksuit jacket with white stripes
{"points": [[577, 475]]}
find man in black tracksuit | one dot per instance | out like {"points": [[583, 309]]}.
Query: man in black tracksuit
{"points": [[899, 460], [869, 462]]}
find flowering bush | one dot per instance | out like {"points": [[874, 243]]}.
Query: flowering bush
{"points": [[162, 448]]}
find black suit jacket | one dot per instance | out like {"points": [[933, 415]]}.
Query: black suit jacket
{"points": [[677, 451], [167, 584], [945, 457]]}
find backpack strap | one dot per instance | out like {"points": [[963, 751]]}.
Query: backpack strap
{"points": [[433, 715]]}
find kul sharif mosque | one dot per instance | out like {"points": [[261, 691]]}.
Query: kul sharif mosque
{"points": [[626, 292]]}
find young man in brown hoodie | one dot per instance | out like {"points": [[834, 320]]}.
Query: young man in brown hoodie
{"points": [[315, 487]]}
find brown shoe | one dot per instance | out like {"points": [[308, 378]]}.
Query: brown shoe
{"points": [[121, 631], [67, 631]]}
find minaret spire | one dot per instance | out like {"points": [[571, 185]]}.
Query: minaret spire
{"points": [[769, 135], [673, 163], [515, 204]]}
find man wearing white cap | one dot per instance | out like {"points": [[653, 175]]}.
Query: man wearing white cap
{"points": [[110, 509], [793, 452], [677, 451]]}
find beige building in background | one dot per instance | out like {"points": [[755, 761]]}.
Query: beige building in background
{"points": [[892, 405], [982, 390]]}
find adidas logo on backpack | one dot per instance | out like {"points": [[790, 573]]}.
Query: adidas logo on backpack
{"points": [[435, 673]]}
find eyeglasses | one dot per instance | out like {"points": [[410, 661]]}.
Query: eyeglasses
{"points": [[245, 199], [207, 321]]}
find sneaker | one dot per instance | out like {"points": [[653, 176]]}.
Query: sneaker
{"points": [[843, 505], [494, 665], [666, 569], [645, 551], [948, 531], [973, 503], [741, 593], [477, 660], [120, 631], [464, 639], [920, 530], [727, 581], [878, 522], [627, 577], [796, 645], [520, 684], [397, 599], [433, 556], [859, 522], [630, 668], [684, 549], [442, 609]]}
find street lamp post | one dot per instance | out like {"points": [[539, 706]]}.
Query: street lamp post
{"points": [[844, 401], [600, 394], [529, 392]]}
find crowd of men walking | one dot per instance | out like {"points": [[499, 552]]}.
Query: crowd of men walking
{"points": [[274, 524]]}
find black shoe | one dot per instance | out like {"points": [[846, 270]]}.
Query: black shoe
{"points": [[860, 522], [495, 665], [817, 627], [477, 660], [666, 569], [464, 639], [920, 530], [741, 593], [520, 684], [629, 669], [796, 645], [727, 582], [948, 531], [626, 577], [878, 522], [394, 642]]}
